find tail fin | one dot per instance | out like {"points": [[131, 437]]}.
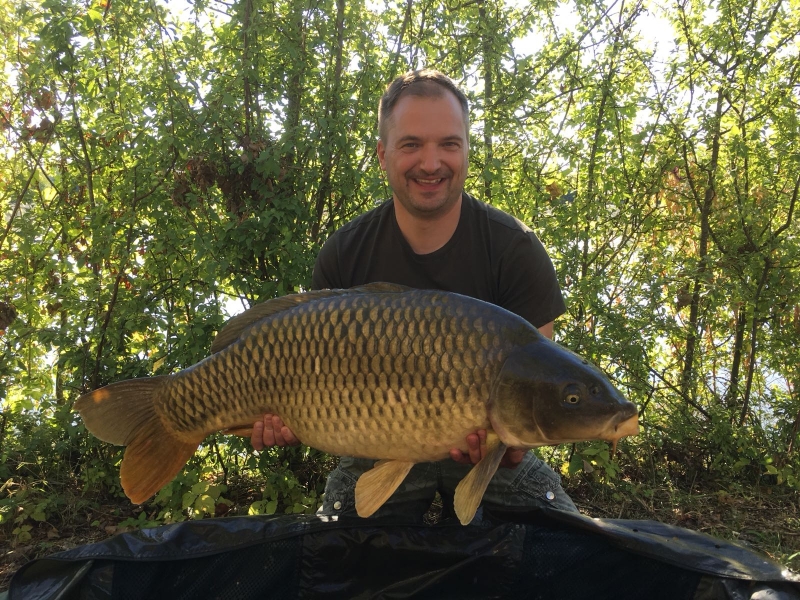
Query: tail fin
{"points": [[123, 414]]}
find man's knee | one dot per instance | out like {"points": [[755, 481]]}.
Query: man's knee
{"points": [[340, 489], [410, 501], [532, 484]]}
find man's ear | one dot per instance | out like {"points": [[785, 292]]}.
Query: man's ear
{"points": [[382, 155]]}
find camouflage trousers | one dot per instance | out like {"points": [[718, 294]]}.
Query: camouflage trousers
{"points": [[531, 484]]}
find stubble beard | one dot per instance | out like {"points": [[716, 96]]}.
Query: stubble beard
{"points": [[424, 205]]}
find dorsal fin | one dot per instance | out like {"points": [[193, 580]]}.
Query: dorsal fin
{"points": [[231, 331]]}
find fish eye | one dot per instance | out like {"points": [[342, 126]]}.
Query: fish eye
{"points": [[572, 394]]}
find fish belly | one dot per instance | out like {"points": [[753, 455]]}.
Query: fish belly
{"points": [[389, 430]]}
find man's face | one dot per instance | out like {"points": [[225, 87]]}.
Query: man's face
{"points": [[425, 154]]}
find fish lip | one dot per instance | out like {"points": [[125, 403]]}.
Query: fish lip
{"points": [[624, 427], [629, 426]]}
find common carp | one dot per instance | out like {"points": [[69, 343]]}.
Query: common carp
{"points": [[380, 371]]}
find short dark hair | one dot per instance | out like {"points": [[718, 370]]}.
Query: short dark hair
{"points": [[426, 83]]}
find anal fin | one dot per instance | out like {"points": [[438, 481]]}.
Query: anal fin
{"points": [[470, 490], [376, 485]]}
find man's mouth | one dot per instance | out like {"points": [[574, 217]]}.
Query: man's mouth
{"points": [[428, 182]]}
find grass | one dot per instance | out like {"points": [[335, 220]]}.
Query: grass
{"points": [[766, 519]]}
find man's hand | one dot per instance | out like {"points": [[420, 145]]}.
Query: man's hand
{"points": [[271, 431], [476, 444]]}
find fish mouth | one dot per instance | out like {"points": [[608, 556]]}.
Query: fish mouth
{"points": [[629, 426]]}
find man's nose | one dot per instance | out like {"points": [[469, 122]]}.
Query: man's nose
{"points": [[430, 159]]}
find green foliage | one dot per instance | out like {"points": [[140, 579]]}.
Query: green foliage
{"points": [[25, 507], [191, 495], [594, 459], [161, 171], [284, 489], [293, 480]]}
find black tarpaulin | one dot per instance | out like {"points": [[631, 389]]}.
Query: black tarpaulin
{"points": [[536, 554]]}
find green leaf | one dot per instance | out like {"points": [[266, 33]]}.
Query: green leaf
{"points": [[205, 504], [200, 487], [188, 500], [575, 464], [94, 16]]}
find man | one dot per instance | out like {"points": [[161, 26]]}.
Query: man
{"points": [[433, 235]]}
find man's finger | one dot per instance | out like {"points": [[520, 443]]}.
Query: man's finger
{"points": [[276, 425], [475, 447], [257, 437], [458, 456], [269, 431], [513, 457], [289, 436]]}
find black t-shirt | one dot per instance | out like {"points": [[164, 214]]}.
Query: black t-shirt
{"points": [[492, 256]]}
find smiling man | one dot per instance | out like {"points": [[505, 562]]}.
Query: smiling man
{"points": [[424, 150], [433, 235]]}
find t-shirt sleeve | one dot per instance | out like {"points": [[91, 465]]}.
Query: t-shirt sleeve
{"points": [[326, 274], [528, 283]]}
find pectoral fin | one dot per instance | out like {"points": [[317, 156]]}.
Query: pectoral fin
{"points": [[376, 485], [469, 492]]}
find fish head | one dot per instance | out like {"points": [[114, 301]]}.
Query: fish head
{"points": [[546, 394]]}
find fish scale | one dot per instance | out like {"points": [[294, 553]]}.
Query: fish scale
{"points": [[409, 375], [380, 372]]}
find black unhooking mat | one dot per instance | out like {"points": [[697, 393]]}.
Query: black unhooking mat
{"points": [[537, 554]]}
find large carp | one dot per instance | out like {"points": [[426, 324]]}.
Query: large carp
{"points": [[380, 371]]}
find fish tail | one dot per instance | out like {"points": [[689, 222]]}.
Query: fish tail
{"points": [[123, 414]]}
